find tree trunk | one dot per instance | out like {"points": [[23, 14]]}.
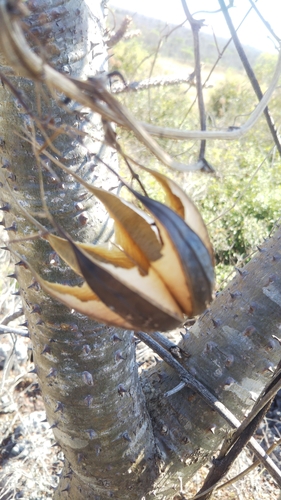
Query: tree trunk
{"points": [[87, 372], [121, 438]]}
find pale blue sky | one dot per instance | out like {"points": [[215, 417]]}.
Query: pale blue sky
{"points": [[253, 31]]}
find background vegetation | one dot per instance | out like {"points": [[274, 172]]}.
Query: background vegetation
{"points": [[241, 201]]}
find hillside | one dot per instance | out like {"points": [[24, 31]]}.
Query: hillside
{"points": [[179, 45]]}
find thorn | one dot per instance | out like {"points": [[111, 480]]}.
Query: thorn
{"points": [[52, 373], [16, 294], [268, 368], [54, 445], [68, 475], [88, 400], [46, 349], [92, 434], [115, 338], [12, 177], [24, 324], [6, 208], [86, 349], [59, 407], [261, 249], [22, 264], [6, 165], [55, 424], [83, 219], [235, 295], [126, 436], [249, 331], [13, 275], [242, 272], [271, 345], [209, 347], [40, 322], [229, 361], [229, 381], [121, 390], [34, 285], [270, 279], [67, 488], [33, 371], [119, 356], [87, 378], [212, 428], [78, 206], [13, 228], [36, 309], [252, 308], [216, 322], [6, 249]]}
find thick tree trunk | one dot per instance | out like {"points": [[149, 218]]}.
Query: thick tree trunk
{"points": [[232, 352], [87, 372], [120, 436]]}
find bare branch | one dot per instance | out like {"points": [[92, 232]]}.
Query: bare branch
{"points": [[159, 81], [119, 34], [195, 27], [10, 329], [266, 23], [211, 400], [251, 74]]}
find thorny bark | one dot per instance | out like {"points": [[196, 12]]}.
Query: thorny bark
{"points": [[121, 441], [87, 372]]}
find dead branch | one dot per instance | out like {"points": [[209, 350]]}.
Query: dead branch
{"points": [[251, 75], [115, 37], [211, 400], [159, 81]]}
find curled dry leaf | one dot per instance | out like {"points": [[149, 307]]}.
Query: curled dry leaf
{"points": [[147, 279]]}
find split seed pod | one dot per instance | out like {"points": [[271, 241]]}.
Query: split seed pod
{"points": [[159, 270]]}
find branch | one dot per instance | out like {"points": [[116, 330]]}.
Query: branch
{"points": [[159, 81], [195, 27], [10, 329], [211, 400], [119, 34], [250, 73], [232, 448], [266, 23]]}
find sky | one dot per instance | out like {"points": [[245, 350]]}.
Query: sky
{"points": [[253, 31]]}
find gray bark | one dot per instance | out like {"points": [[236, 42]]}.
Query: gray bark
{"points": [[120, 436], [87, 372]]}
